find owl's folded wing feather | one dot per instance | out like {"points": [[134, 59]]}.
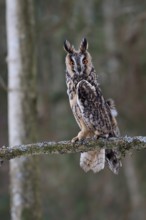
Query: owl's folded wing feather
{"points": [[92, 107]]}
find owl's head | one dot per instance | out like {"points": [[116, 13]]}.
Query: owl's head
{"points": [[78, 62]]}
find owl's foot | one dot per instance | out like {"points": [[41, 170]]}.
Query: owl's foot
{"points": [[75, 139], [97, 136], [80, 137]]}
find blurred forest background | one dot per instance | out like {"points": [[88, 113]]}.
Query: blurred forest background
{"points": [[116, 32]]}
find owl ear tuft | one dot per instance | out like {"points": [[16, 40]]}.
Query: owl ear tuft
{"points": [[84, 45], [68, 47]]}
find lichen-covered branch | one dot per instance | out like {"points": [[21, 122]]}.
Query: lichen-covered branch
{"points": [[123, 144]]}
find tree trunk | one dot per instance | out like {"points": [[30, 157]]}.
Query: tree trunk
{"points": [[110, 40], [137, 208], [22, 112]]}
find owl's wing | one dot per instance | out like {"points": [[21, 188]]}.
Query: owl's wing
{"points": [[91, 103]]}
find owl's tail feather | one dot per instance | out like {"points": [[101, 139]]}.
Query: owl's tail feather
{"points": [[113, 160], [93, 160]]}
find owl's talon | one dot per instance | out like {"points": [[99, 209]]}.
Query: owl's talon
{"points": [[75, 139], [95, 137]]}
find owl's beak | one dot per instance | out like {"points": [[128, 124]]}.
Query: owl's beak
{"points": [[79, 69]]}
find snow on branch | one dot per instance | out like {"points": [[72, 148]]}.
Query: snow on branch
{"points": [[123, 144]]}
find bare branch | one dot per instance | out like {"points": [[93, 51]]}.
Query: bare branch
{"points": [[123, 144]]}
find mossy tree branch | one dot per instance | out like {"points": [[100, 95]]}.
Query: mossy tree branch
{"points": [[123, 144]]}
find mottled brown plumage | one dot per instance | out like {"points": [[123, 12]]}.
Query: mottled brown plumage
{"points": [[94, 115]]}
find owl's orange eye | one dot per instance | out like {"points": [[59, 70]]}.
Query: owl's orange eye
{"points": [[71, 62], [85, 61]]}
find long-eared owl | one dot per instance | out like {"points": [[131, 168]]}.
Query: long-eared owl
{"points": [[94, 115]]}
